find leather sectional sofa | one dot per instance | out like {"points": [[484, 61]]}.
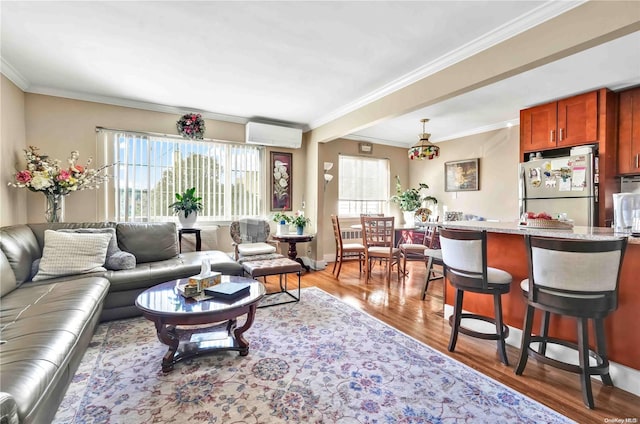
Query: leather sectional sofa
{"points": [[46, 325]]}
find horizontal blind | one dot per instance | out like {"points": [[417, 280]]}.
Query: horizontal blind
{"points": [[363, 185]]}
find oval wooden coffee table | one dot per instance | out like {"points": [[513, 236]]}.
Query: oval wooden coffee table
{"points": [[167, 308]]}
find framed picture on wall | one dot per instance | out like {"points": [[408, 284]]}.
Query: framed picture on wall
{"points": [[462, 175], [281, 181]]}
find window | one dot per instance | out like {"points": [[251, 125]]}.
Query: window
{"points": [[363, 185], [151, 169]]}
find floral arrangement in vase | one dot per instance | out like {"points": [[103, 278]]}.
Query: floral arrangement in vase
{"points": [[55, 181], [191, 126]]}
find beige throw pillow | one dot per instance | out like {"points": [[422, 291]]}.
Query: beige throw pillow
{"points": [[72, 253]]}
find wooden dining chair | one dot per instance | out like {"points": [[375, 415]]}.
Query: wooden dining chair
{"points": [[345, 251], [432, 256], [378, 233]]}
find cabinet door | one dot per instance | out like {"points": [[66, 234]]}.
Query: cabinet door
{"points": [[538, 128], [629, 132], [578, 120]]}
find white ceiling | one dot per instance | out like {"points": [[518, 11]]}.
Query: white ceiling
{"points": [[301, 63]]}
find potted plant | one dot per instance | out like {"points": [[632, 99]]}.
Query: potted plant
{"points": [[282, 221], [300, 221], [187, 206], [410, 200]]}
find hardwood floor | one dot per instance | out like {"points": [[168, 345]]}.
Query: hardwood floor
{"points": [[399, 304]]}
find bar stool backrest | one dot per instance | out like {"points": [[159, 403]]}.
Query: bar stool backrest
{"points": [[464, 254], [579, 270]]}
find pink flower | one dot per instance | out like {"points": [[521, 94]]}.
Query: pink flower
{"points": [[23, 177], [63, 175]]}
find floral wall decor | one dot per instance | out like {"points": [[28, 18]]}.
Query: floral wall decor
{"points": [[191, 126], [51, 178], [281, 181]]}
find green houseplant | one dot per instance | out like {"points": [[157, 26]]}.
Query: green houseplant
{"points": [[300, 221], [410, 200], [187, 206]]}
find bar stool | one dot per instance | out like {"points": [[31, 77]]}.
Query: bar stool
{"points": [[464, 254], [576, 278]]}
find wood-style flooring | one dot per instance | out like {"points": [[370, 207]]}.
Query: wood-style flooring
{"points": [[399, 304]]}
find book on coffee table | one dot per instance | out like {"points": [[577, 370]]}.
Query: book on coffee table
{"points": [[228, 291]]}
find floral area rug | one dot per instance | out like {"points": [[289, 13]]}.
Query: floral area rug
{"points": [[316, 361]]}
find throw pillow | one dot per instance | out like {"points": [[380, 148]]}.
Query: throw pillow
{"points": [[72, 253], [116, 259]]}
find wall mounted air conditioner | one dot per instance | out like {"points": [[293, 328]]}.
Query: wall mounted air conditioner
{"points": [[273, 135]]}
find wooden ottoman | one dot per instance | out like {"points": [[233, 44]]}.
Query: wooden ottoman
{"points": [[280, 267]]}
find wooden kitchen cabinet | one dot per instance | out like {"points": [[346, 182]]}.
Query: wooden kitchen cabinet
{"points": [[568, 122], [629, 132]]}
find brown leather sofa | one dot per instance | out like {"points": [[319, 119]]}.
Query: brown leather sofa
{"points": [[45, 326]]}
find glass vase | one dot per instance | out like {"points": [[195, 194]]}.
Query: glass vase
{"points": [[54, 207]]}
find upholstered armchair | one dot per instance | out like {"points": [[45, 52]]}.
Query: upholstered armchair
{"points": [[251, 239]]}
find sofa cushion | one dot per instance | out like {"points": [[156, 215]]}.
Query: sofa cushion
{"points": [[21, 248], [116, 258], [148, 242], [7, 278], [250, 249], [72, 253]]}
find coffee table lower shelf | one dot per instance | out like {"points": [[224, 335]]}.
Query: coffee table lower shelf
{"points": [[185, 343]]}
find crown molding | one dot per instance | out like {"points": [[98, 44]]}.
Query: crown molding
{"points": [[116, 101], [535, 17], [13, 75], [478, 130]]}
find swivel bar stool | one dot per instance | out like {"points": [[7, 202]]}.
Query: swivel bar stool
{"points": [[576, 278], [464, 254]]}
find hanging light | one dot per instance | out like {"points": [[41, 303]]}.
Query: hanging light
{"points": [[426, 149]]}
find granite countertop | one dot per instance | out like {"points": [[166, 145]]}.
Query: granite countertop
{"points": [[577, 232]]}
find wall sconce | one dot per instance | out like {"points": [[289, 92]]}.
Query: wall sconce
{"points": [[327, 177]]}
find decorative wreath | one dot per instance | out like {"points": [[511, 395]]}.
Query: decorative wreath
{"points": [[191, 125]]}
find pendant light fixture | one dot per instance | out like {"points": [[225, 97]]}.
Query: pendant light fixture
{"points": [[426, 149]]}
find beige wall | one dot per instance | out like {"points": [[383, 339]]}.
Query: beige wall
{"points": [[498, 195], [13, 201]]}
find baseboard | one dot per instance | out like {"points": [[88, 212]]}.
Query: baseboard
{"points": [[314, 264], [623, 377]]}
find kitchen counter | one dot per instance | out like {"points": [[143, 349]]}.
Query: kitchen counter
{"points": [[577, 232], [506, 250]]}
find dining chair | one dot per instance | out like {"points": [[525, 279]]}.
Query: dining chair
{"points": [[432, 256], [464, 254], [416, 251], [577, 279], [378, 234], [345, 251]]}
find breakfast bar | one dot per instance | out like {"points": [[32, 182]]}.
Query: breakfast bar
{"points": [[506, 250]]}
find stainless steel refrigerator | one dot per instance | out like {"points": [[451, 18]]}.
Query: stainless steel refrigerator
{"points": [[563, 185]]}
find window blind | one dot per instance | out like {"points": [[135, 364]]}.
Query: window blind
{"points": [[151, 169]]}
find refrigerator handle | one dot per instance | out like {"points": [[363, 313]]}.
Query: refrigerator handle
{"points": [[523, 191]]}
